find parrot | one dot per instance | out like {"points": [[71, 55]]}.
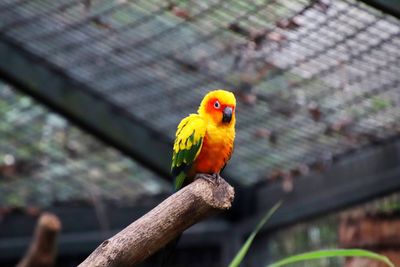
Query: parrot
{"points": [[203, 144], [204, 141]]}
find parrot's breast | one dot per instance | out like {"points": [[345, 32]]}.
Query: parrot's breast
{"points": [[216, 150]]}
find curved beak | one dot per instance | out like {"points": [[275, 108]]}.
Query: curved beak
{"points": [[227, 114]]}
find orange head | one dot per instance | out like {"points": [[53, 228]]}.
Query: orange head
{"points": [[219, 107]]}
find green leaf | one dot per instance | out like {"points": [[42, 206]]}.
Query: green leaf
{"points": [[243, 250], [332, 253]]}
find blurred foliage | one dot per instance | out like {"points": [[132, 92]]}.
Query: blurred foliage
{"points": [[44, 159], [332, 253], [323, 233], [238, 259], [315, 235]]}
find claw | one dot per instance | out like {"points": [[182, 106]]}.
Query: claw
{"points": [[219, 179], [214, 178]]}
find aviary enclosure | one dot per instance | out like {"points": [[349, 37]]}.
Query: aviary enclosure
{"points": [[91, 93]]}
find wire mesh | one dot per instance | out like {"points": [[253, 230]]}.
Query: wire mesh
{"points": [[315, 79], [44, 161]]}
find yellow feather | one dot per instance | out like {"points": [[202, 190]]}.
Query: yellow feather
{"points": [[192, 123]]}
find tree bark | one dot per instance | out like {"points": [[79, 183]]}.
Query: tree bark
{"points": [[43, 249], [162, 224]]}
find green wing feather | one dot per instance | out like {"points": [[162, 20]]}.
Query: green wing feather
{"points": [[187, 146]]}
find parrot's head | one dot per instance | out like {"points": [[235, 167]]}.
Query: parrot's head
{"points": [[219, 107]]}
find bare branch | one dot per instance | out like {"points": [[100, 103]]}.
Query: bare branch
{"points": [[43, 249], [162, 224]]}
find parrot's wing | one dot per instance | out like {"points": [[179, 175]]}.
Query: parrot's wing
{"points": [[188, 142]]}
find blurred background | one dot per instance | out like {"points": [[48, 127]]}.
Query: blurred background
{"points": [[91, 92]]}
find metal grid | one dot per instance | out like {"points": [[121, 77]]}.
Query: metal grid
{"points": [[44, 161], [315, 79]]}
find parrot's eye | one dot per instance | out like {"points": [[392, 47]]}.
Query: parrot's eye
{"points": [[217, 104]]}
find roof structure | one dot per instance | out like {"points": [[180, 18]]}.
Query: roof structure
{"points": [[316, 81]]}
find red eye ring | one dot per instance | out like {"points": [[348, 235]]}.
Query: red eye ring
{"points": [[217, 105]]}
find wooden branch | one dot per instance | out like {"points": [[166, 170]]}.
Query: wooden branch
{"points": [[43, 249], [162, 224]]}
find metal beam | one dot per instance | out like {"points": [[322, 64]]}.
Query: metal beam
{"points": [[361, 177], [391, 7], [34, 76]]}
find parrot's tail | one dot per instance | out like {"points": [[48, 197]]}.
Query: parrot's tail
{"points": [[168, 252]]}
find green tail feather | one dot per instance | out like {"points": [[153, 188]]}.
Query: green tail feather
{"points": [[180, 178]]}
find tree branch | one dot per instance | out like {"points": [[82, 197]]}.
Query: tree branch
{"points": [[43, 248], [162, 224]]}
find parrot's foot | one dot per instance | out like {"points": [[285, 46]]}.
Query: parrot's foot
{"points": [[218, 178], [207, 177], [214, 178]]}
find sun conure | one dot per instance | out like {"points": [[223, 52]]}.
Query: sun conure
{"points": [[203, 144], [204, 141]]}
